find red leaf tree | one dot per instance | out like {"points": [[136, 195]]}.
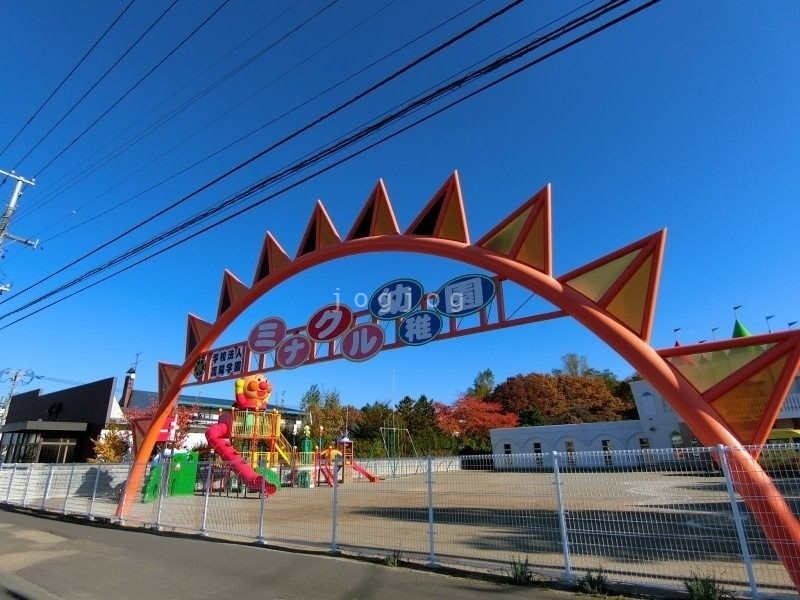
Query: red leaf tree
{"points": [[471, 418]]}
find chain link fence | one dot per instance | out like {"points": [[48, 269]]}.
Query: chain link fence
{"points": [[652, 518]]}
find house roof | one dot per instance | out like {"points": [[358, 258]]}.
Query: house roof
{"points": [[143, 399]]}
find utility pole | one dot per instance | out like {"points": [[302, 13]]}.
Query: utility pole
{"points": [[15, 377], [5, 219]]}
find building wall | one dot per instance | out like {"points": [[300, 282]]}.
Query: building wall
{"points": [[657, 422], [89, 403], [654, 429]]}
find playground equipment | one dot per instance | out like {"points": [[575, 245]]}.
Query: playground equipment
{"points": [[249, 440], [249, 437], [337, 462], [179, 481], [398, 443]]}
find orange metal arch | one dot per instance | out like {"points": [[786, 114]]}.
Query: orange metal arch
{"points": [[762, 497]]}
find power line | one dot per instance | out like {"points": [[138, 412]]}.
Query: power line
{"points": [[175, 112], [346, 158], [241, 138], [96, 83], [135, 85], [66, 181], [70, 74], [280, 142]]}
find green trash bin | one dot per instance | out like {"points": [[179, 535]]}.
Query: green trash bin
{"points": [[304, 479]]}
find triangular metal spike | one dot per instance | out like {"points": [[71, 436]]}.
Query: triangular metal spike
{"points": [[526, 234], [632, 298], [443, 216], [231, 290], [272, 259], [196, 329], [166, 375], [319, 233], [376, 217]]}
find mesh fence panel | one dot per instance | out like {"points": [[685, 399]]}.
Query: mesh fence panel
{"points": [[649, 517], [386, 518]]}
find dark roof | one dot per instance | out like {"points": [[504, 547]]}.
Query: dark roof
{"points": [[143, 399]]}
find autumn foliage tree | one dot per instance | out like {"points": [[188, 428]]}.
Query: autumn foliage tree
{"points": [[471, 418], [184, 415], [563, 398], [111, 447]]}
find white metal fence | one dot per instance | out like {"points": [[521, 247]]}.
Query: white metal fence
{"points": [[652, 517]]}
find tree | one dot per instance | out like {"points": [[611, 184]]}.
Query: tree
{"points": [[530, 392], [325, 409], [112, 446], [471, 418], [558, 399], [573, 364], [184, 416], [483, 385], [373, 417]]}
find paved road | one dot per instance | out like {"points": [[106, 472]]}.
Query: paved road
{"points": [[43, 558]]}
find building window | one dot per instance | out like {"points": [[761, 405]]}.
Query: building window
{"points": [[644, 443], [537, 453], [506, 448], [608, 460], [569, 446]]}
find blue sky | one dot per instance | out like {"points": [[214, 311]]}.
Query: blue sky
{"points": [[683, 116]]}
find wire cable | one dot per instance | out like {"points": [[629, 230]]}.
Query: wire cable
{"points": [[70, 74], [340, 161], [96, 83], [347, 158], [280, 142], [236, 141], [175, 112], [134, 86]]}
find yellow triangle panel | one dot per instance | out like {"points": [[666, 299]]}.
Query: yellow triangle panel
{"points": [[632, 298], [232, 290], [443, 216], [631, 306], [377, 216], [196, 329], [743, 406], [166, 375], [625, 282], [320, 232], [706, 370], [273, 258], [594, 282], [525, 235]]}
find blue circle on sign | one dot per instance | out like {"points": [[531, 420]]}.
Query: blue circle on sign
{"points": [[464, 295], [420, 327], [395, 299]]}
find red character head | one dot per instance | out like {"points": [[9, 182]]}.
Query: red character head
{"points": [[253, 392]]}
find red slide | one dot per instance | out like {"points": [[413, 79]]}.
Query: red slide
{"points": [[217, 436], [364, 472]]}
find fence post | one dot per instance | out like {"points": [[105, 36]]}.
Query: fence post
{"points": [[562, 518], [69, 485], [120, 520], [47, 486], [431, 532], [11, 482], [334, 548], [27, 483], [94, 493], [737, 519], [209, 483], [262, 496], [163, 480]]}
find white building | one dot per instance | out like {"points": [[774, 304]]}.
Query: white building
{"points": [[658, 426]]}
